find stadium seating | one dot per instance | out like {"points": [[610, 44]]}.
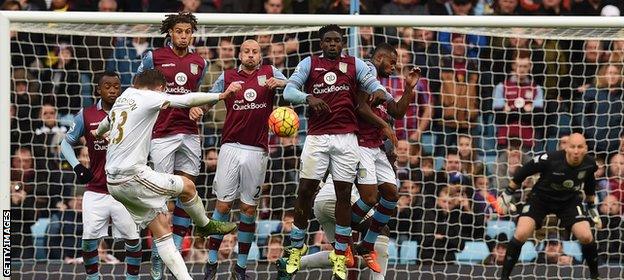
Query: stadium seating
{"points": [[497, 227], [474, 252], [573, 248], [528, 252], [409, 252]]}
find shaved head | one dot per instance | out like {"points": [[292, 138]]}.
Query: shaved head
{"points": [[576, 149], [250, 54]]}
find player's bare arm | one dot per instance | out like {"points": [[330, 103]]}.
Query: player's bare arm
{"points": [[366, 113], [398, 109]]}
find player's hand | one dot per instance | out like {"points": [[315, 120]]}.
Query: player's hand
{"points": [[506, 203], [83, 174], [232, 89], [377, 98], [196, 113], [318, 105], [411, 79], [387, 130], [592, 210], [274, 83]]}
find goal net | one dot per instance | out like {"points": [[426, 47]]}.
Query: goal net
{"points": [[489, 99]]}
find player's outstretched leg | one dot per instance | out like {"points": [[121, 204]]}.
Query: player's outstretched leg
{"points": [[221, 214], [194, 207], [303, 209], [525, 228], [91, 258], [582, 232], [181, 222], [134, 255]]}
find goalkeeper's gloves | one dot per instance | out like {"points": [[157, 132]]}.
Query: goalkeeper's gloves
{"points": [[592, 210], [506, 202], [83, 174]]}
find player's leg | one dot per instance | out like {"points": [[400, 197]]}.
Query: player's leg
{"points": [[167, 251], [381, 247], [253, 165], [384, 209], [314, 163], [162, 154], [225, 188], [366, 185], [95, 216], [345, 156], [187, 159], [574, 214], [125, 228], [531, 217]]}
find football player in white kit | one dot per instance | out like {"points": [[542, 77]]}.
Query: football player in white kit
{"points": [[324, 206], [140, 189]]}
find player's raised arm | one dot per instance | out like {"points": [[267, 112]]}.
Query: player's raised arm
{"points": [[398, 109], [147, 62]]}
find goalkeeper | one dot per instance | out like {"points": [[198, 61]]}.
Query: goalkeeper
{"points": [[563, 174]]}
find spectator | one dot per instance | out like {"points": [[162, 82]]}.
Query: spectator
{"points": [[23, 167], [25, 96], [518, 102], [444, 228], [213, 123], [450, 7], [49, 133], [320, 243], [546, 7], [196, 6], [508, 163], [458, 96], [504, 50], [226, 251], [468, 156], [283, 166], [343, 7], [402, 151], [127, 58], [600, 112], [602, 182], [65, 230], [403, 7], [33, 5], [277, 57], [11, 6], [497, 256], [274, 249], [401, 225], [23, 216], [616, 178], [426, 56], [553, 253], [587, 7], [610, 236], [563, 142], [206, 177], [59, 5], [62, 80], [484, 199], [107, 6], [585, 68], [199, 251], [505, 7], [273, 6]]}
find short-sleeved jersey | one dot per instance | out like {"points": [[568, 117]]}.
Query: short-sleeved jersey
{"points": [[335, 82], [558, 180], [183, 75], [249, 110], [369, 135], [86, 120], [132, 121]]}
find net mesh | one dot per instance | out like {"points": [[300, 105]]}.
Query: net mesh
{"points": [[490, 98]]}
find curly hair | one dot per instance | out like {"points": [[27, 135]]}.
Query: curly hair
{"points": [[182, 17], [329, 28]]}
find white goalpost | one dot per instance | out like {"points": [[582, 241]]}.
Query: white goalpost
{"points": [[556, 46]]}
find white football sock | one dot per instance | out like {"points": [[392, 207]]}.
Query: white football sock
{"points": [[316, 260], [195, 209], [171, 257], [381, 247]]}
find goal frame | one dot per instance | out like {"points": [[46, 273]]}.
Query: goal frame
{"points": [[7, 17]]}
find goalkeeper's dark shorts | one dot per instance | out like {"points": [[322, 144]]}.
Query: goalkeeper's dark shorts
{"points": [[569, 212]]}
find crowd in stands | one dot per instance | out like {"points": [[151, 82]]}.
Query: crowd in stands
{"points": [[485, 105]]}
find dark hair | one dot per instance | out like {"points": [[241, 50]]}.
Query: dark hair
{"points": [[329, 28], [172, 19], [106, 74], [150, 78], [384, 47], [8, 5]]}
